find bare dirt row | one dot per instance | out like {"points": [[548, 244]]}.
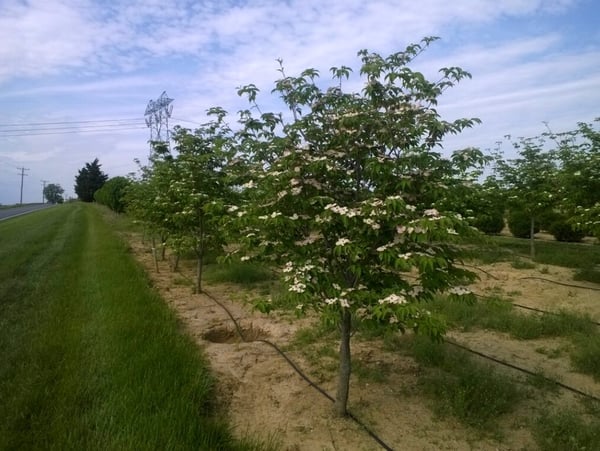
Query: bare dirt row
{"points": [[264, 396]]}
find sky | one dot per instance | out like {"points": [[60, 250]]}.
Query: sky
{"points": [[76, 76]]}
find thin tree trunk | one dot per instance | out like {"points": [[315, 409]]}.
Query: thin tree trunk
{"points": [[200, 256], [199, 273], [154, 253], [343, 388], [532, 239]]}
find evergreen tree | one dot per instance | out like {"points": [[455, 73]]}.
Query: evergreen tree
{"points": [[89, 180]]}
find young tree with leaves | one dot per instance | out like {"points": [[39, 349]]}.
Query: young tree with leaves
{"points": [[346, 197], [578, 152], [196, 198], [529, 181], [145, 198], [54, 193]]}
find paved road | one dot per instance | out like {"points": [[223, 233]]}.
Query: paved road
{"points": [[8, 213]]}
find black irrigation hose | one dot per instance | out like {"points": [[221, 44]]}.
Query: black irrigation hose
{"points": [[299, 371], [560, 283], [523, 370], [526, 307], [450, 342], [487, 273]]}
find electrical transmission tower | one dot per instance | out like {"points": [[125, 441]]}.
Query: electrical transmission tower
{"points": [[157, 117], [22, 174]]}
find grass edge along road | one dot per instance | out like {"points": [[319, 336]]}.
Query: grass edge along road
{"points": [[90, 356]]}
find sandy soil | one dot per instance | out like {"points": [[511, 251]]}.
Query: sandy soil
{"points": [[265, 397]]}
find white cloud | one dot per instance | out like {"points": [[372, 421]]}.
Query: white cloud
{"points": [[86, 59]]}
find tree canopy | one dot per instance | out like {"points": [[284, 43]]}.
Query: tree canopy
{"points": [[53, 193], [348, 196], [89, 180]]}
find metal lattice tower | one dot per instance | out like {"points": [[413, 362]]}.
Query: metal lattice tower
{"points": [[157, 117]]}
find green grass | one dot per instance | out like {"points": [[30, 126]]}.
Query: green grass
{"points": [[588, 275], [517, 263], [567, 431], [90, 356], [498, 314], [462, 387], [238, 272], [585, 355], [570, 255]]}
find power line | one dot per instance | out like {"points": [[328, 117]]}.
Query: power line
{"points": [[66, 132], [70, 127], [69, 122], [14, 130]]}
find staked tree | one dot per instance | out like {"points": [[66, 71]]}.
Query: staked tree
{"points": [[196, 198], [529, 181], [89, 180], [54, 193]]}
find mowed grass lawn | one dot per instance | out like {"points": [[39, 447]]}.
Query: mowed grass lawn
{"points": [[90, 356]]}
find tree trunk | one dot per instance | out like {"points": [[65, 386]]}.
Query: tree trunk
{"points": [[163, 240], [532, 239], [154, 253], [199, 268], [343, 388], [200, 255]]}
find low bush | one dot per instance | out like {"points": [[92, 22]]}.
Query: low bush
{"points": [[490, 223], [519, 224], [563, 231]]}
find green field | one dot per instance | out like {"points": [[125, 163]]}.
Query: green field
{"points": [[90, 356]]}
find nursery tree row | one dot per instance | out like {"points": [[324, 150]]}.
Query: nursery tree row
{"points": [[348, 193]]}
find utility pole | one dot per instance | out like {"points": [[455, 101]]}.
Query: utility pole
{"points": [[43, 189], [22, 175]]}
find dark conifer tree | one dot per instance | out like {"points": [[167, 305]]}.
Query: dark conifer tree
{"points": [[89, 180]]}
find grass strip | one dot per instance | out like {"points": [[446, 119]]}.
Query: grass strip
{"points": [[569, 255], [90, 356]]}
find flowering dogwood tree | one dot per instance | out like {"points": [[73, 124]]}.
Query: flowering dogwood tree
{"points": [[196, 198], [578, 153], [529, 181], [182, 194], [344, 196], [145, 201]]}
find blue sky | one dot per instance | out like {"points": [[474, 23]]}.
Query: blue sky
{"points": [[68, 61]]}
